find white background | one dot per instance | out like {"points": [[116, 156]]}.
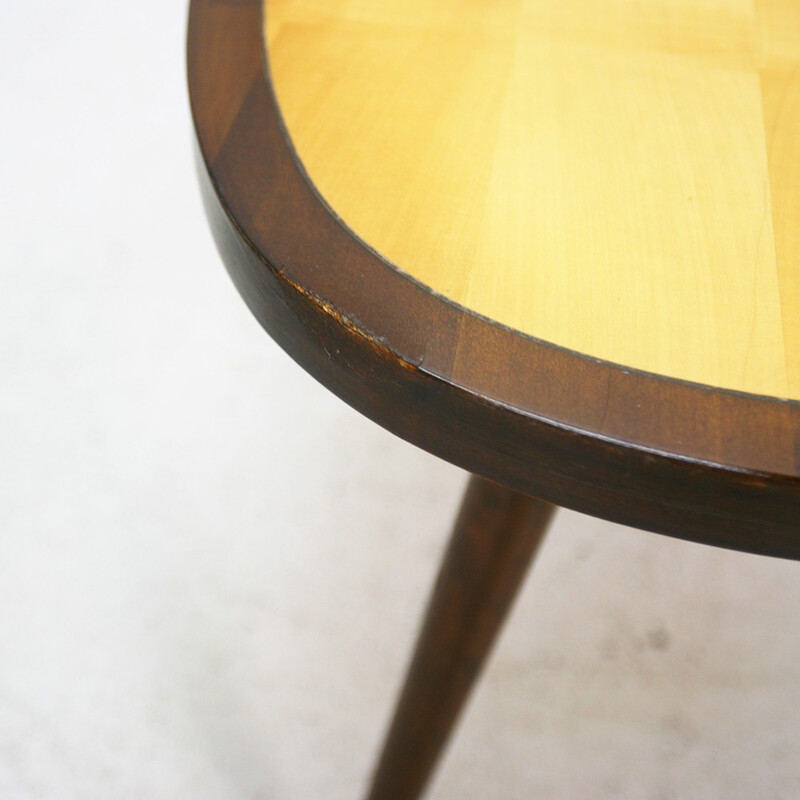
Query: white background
{"points": [[211, 570]]}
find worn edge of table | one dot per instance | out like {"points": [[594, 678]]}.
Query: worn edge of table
{"points": [[681, 459]]}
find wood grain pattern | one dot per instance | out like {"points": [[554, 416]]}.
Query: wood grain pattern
{"points": [[616, 178], [664, 455], [779, 72]]}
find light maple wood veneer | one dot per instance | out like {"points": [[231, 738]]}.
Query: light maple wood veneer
{"points": [[685, 458], [618, 178]]}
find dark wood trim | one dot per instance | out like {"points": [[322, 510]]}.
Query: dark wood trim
{"points": [[495, 538], [673, 457]]}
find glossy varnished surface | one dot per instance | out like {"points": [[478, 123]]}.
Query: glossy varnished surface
{"points": [[616, 178], [678, 458]]}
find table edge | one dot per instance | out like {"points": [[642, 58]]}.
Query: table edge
{"points": [[735, 493]]}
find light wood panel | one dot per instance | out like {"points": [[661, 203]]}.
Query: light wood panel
{"points": [[618, 178]]}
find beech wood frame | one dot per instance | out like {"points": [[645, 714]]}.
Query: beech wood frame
{"points": [[677, 458]]}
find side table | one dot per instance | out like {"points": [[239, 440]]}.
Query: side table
{"points": [[554, 244]]}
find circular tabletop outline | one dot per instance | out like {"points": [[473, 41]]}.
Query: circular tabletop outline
{"points": [[687, 451], [465, 309]]}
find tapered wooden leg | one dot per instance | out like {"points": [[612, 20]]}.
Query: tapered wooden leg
{"points": [[495, 537]]}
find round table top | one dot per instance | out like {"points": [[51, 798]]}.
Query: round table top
{"points": [[553, 242], [620, 179]]}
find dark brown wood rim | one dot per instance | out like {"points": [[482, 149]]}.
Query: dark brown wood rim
{"points": [[673, 457]]}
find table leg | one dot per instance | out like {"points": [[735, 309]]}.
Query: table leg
{"points": [[496, 535]]}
